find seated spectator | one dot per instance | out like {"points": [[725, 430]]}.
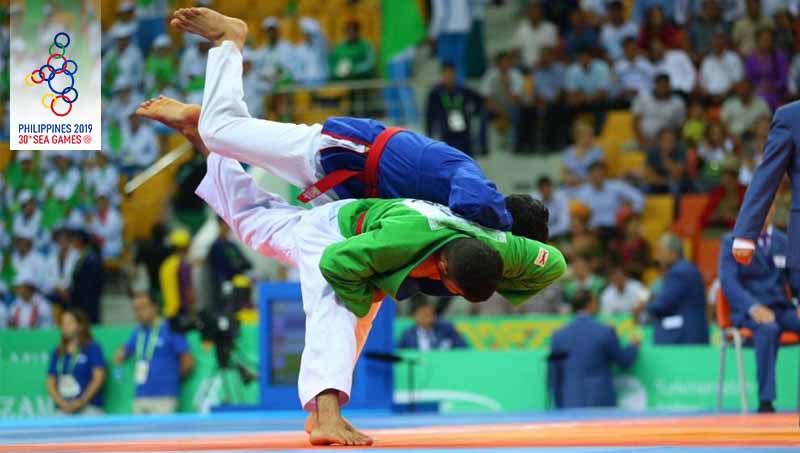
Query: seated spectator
{"points": [[657, 111], [724, 201], [77, 369], [106, 227], [679, 306], [579, 157], [101, 177], [694, 129], [616, 30], [59, 265], [548, 86], [175, 276], [721, 70], [254, 85], [741, 112], [581, 358], [622, 294], [140, 147], [354, 58], [704, 27], [124, 59], [451, 110], [28, 220], [658, 28], [534, 33], [154, 346], [588, 82], [785, 34], [126, 98], [582, 277], [503, 88], [192, 67], [275, 59], [160, 67], [744, 30], [676, 64], [64, 180], [312, 54], [631, 250], [86, 285], [225, 260], [430, 332], [22, 174], [758, 299], [767, 69], [606, 199], [754, 141], [29, 310], [633, 72], [665, 165], [557, 206], [25, 260], [580, 35], [716, 145]]}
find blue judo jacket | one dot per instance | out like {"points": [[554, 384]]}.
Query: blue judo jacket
{"points": [[415, 166]]}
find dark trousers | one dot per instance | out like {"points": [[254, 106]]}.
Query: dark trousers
{"points": [[545, 127], [766, 339], [598, 109]]}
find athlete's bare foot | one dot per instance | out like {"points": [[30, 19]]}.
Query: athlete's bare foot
{"points": [[211, 25], [177, 115], [327, 427]]}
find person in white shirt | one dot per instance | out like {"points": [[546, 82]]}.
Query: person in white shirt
{"points": [[740, 113], [63, 182], [277, 58], [720, 70], [533, 34], [312, 55], [657, 111], [676, 63], [192, 63], [101, 176], [125, 58], [29, 310], [633, 72], [26, 260], [59, 265], [622, 293], [254, 86], [557, 205], [616, 29], [451, 22], [106, 226], [29, 219], [139, 145], [503, 88]]}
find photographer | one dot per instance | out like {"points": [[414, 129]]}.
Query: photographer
{"points": [[162, 359]]}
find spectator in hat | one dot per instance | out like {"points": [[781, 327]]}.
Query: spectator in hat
{"points": [[312, 54], [354, 58], [254, 86], [29, 310], [275, 60], [106, 226], [160, 67], [192, 67], [656, 111], [25, 260], [102, 177], [588, 84], [60, 264], [86, 286], [430, 332], [125, 58], [140, 147], [29, 218], [63, 182], [616, 30], [175, 276], [21, 174]]}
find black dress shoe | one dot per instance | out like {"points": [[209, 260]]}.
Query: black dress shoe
{"points": [[766, 407]]}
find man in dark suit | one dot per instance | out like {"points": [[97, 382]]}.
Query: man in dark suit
{"points": [[429, 332], [759, 302], [451, 111], [679, 306], [86, 287], [582, 354], [781, 157]]}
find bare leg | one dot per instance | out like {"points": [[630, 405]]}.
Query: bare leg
{"points": [[211, 25], [329, 427], [177, 115]]}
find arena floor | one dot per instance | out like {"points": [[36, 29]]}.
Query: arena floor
{"points": [[563, 432]]}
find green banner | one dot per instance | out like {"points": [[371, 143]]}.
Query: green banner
{"points": [[25, 356]]}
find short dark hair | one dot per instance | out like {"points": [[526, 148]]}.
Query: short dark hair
{"points": [[474, 266], [662, 77], [581, 300], [600, 164], [530, 217], [544, 180]]}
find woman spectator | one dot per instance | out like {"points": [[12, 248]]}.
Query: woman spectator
{"points": [[767, 69], [665, 165], [724, 201], [631, 249], [77, 368], [580, 156], [715, 148], [657, 27]]}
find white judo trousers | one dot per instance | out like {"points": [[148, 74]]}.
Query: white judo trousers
{"points": [[289, 151], [265, 222]]}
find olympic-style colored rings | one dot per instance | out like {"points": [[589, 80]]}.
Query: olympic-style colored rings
{"points": [[48, 71]]}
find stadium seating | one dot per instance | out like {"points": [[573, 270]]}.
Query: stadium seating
{"points": [[657, 216], [736, 337]]}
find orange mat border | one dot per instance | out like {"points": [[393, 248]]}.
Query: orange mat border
{"points": [[727, 430]]}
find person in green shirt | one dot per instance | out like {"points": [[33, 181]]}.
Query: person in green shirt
{"points": [[354, 58], [350, 254], [160, 66]]}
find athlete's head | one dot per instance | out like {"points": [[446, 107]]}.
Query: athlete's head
{"points": [[530, 217], [470, 268]]}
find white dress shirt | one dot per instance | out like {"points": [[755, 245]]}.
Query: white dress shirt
{"points": [[719, 73]]}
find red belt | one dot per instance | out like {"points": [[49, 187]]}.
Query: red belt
{"points": [[370, 173], [360, 223]]}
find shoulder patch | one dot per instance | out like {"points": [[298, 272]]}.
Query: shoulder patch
{"points": [[541, 258]]}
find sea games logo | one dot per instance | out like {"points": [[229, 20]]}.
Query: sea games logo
{"points": [[59, 73]]}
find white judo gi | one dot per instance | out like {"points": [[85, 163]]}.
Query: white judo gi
{"points": [[296, 236], [289, 151]]}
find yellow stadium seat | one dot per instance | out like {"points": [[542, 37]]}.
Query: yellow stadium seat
{"points": [[618, 127], [629, 162], [657, 216]]}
